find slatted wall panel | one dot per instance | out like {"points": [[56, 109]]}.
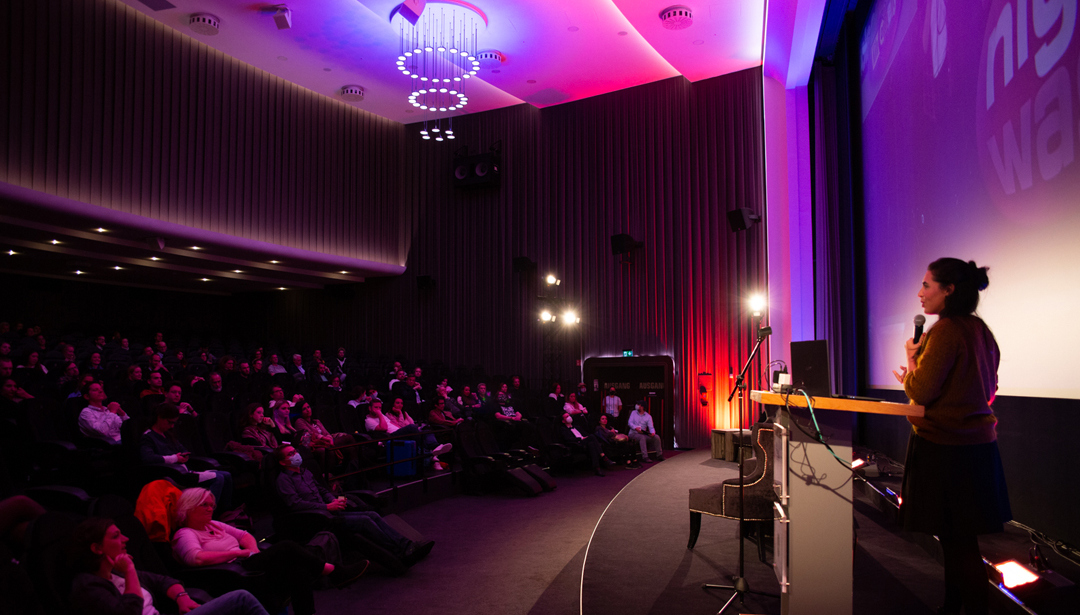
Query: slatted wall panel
{"points": [[662, 162], [104, 105]]}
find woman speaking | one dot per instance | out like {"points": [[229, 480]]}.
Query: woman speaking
{"points": [[954, 486]]}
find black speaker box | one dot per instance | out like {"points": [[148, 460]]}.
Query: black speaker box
{"points": [[741, 219], [477, 171]]}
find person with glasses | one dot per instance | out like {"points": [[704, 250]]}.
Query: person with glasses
{"points": [[289, 569], [159, 446]]}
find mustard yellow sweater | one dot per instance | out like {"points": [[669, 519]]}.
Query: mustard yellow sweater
{"points": [[955, 377]]}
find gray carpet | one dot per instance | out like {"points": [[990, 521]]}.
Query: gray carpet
{"points": [[494, 555], [638, 563], [509, 555]]}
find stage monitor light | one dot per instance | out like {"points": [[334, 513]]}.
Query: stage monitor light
{"points": [[757, 304], [569, 317], [546, 316], [1015, 574]]}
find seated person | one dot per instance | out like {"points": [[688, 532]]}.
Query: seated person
{"points": [[612, 441], [275, 367], [321, 438], [173, 393], [576, 409], [573, 438], [440, 415], [288, 568], [301, 492], [106, 582], [468, 402], [397, 421], [98, 420], [277, 395], [258, 429], [156, 385], [159, 446], [283, 428], [642, 432]]}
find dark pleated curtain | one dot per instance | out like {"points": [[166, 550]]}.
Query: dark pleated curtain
{"points": [[102, 104], [661, 162]]}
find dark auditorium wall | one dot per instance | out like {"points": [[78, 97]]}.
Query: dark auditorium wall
{"points": [[104, 105], [661, 162]]}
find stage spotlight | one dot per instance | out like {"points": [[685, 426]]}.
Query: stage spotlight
{"points": [[569, 317], [546, 316], [551, 279], [757, 304], [1015, 574]]}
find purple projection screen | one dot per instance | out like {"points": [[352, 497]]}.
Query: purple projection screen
{"points": [[971, 137]]}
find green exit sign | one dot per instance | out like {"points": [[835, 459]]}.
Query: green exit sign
{"points": [[628, 353]]}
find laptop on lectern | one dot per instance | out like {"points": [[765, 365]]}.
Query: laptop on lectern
{"points": [[810, 368]]}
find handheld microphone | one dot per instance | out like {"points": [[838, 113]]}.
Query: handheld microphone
{"points": [[920, 320]]}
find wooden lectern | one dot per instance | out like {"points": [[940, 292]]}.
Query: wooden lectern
{"points": [[813, 536]]}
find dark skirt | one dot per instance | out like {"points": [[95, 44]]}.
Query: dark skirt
{"points": [[953, 490]]}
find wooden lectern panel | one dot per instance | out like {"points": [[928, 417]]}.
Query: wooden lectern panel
{"points": [[838, 403]]}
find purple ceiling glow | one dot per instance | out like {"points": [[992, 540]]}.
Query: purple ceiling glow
{"points": [[555, 51]]}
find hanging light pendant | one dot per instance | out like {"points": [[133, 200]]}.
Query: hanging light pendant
{"points": [[438, 53]]}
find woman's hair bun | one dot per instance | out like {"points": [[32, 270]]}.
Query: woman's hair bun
{"points": [[979, 275]]}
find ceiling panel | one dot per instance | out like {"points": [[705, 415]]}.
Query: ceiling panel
{"points": [[556, 51]]}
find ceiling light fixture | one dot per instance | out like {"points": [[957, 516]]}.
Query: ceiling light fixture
{"points": [[196, 248], [274, 262], [118, 267], [352, 93], [237, 271], [677, 17], [438, 48], [78, 272], [11, 252], [204, 279], [154, 258], [55, 242], [100, 230], [204, 23]]}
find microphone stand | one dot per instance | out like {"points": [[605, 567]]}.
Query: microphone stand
{"points": [[739, 585]]}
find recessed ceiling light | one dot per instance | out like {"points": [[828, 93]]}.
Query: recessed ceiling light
{"points": [[118, 267], [281, 288], [154, 258], [204, 279], [343, 272], [531, 81], [196, 248], [237, 271], [274, 262], [573, 28], [100, 230], [77, 272], [622, 32], [326, 69], [12, 252], [54, 242]]}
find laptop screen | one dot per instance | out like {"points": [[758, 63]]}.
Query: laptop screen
{"points": [[810, 368]]}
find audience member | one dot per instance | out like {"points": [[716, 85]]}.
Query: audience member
{"points": [[98, 420], [571, 436], [275, 367], [288, 568], [301, 492], [643, 433], [159, 446], [155, 386], [258, 429], [107, 582], [173, 394]]}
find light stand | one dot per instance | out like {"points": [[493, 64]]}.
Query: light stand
{"points": [[739, 585]]}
